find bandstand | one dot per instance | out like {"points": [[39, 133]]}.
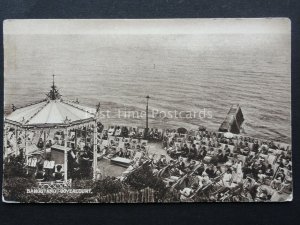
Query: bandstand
{"points": [[55, 125]]}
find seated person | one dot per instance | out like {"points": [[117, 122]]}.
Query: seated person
{"points": [[287, 183], [121, 153], [39, 175], [251, 186], [264, 150], [191, 166], [214, 159], [58, 176], [227, 178], [125, 132], [40, 143], [205, 179], [111, 131], [261, 176], [181, 164], [245, 151], [237, 150], [49, 144], [185, 150], [210, 171], [187, 192], [202, 153], [269, 171], [263, 194], [255, 146], [226, 148], [118, 131], [276, 183], [217, 171], [210, 151], [48, 175], [200, 169], [162, 162], [220, 156], [193, 152]]}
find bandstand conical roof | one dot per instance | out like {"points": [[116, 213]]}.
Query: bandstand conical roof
{"points": [[51, 111]]}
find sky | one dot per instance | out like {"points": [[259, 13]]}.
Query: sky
{"points": [[149, 26]]}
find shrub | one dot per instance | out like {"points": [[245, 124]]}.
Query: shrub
{"points": [[14, 189]]}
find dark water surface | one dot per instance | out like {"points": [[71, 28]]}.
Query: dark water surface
{"points": [[179, 72]]}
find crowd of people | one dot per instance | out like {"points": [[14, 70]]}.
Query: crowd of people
{"points": [[195, 163], [39, 163], [153, 134], [246, 163]]}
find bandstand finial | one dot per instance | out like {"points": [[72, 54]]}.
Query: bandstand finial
{"points": [[53, 94]]}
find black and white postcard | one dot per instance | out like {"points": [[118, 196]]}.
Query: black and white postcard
{"points": [[147, 110]]}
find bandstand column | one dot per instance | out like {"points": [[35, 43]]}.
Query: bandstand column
{"points": [[25, 146], [5, 142], [85, 132], [45, 136], [75, 139], [16, 135], [66, 155], [95, 151]]}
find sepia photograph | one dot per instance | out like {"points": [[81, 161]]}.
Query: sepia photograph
{"points": [[147, 110]]}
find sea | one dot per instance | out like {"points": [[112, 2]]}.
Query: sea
{"points": [[196, 77]]}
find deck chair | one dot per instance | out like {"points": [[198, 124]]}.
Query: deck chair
{"points": [[271, 159], [178, 144], [242, 158], [32, 162], [231, 147], [105, 143], [126, 140], [121, 144], [179, 139], [197, 142], [144, 142], [250, 145], [118, 132], [111, 131], [137, 155], [222, 146], [183, 136], [62, 167], [198, 146], [117, 139], [140, 132], [134, 141]]}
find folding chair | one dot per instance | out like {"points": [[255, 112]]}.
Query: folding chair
{"points": [[144, 142]]}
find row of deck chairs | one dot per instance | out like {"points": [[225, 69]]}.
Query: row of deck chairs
{"points": [[123, 131], [270, 158], [154, 134], [120, 143], [281, 146]]}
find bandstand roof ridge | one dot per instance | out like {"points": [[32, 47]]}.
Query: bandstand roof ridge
{"points": [[52, 110]]}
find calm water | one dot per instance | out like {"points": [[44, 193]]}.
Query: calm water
{"points": [[183, 73]]}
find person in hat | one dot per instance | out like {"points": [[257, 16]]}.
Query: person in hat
{"points": [[276, 183], [187, 192], [58, 176], [39, 175], [205, 179], [227, 178], [40, 143], [210, 171]]}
